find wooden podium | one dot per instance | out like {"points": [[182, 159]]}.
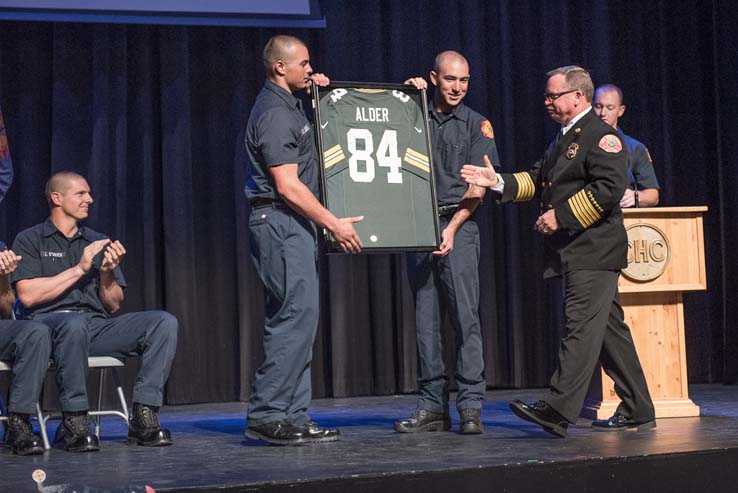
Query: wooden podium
{"points": [[666, 257]]}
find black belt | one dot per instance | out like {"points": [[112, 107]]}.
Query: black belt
{"points": [[447, 210], [266, 202]]}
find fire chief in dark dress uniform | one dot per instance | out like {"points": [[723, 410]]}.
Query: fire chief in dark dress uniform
{"points": [[580, 180]]}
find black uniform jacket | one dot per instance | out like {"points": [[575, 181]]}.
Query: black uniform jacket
{"points": [[582, 177]]}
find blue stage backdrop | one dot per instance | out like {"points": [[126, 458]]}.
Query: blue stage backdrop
{"points": [[154, 117]]}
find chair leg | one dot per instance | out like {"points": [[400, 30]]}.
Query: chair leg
{"points": [[99, 401], [121, 396], [42, 426]]}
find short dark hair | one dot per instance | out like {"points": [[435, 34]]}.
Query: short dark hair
{"points": [[59, 183], [275, 48]]}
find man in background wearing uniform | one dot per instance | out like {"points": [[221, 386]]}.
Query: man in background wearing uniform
{"points": [[70, 280], [580, 180], [447, 280], [26, 345], [282, 189], [643, 188]]}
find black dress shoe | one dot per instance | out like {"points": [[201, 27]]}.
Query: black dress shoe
{"points": [[619, 422], [541, 413], [471, 422], [74, 435], [277, 433], [19, 435], [423, 420], [144, 428], [313, 433]]}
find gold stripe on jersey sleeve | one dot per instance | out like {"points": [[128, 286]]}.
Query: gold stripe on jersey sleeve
{"points": [[337, 159], [327, 153], [414, 158], [333, 155], [526, 187], [421, 157], [583, 209]]}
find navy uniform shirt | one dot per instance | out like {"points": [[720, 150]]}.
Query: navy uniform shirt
{"points": [[278, 132], [47, 252], [639, 164], [458, 138], [3, 246]]}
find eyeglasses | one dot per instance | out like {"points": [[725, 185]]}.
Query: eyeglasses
{"points": [[553, 96]]}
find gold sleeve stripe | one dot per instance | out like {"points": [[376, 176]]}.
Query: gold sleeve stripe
{"points": [[335, 159], [583, 209], [332, 150], [415, 162], [526, 187], [333, 155], [413, 152], [583, 215], [587, 208]]}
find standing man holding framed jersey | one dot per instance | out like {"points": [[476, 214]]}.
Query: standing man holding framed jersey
{"points": [[446, 281], [282, 189]]}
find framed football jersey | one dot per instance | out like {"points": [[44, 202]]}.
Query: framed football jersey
{"points": [[375, 161]]}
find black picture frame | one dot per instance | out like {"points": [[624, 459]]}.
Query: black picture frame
{"points": [[380, 215]]}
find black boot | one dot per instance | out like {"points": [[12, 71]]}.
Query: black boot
{"points": [[423, 420], [144, 428], [74, 433], [471, 421], [19, 435]]}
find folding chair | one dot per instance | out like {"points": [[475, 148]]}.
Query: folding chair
{"points": [[39, 415]]}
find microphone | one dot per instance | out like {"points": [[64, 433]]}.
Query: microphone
{"points": [[635, 186]]}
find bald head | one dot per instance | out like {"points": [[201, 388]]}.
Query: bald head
{"points": [[448, 57], [61, 182], [610, 88], [280, 47]]}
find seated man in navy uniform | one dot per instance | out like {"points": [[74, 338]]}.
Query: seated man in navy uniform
{"points": [[27, 346], [71, 281], [643, 187]]}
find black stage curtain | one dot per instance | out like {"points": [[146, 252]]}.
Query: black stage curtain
{"points": [[154, 117]]}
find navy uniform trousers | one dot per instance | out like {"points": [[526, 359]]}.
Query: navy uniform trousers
{"points": [[284, 251], [26, 345], [77, 335], [449, 285], [595, 330]]}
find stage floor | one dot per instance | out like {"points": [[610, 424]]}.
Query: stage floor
{"points": [[211, 453]]}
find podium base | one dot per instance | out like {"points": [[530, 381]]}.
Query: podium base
{"points": [[665, 408]]}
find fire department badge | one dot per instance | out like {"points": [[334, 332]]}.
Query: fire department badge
{"points": [[487, 130], [610, 143], [571, 152]]}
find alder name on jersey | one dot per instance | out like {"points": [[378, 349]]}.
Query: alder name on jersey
{"points": [[372, 114]]}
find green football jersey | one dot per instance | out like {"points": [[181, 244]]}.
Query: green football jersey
{"points": [[376, 165]]}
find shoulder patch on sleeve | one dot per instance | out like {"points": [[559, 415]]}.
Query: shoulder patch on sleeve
{"points": [[610, 143], [487, 130], [648, 155]]}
